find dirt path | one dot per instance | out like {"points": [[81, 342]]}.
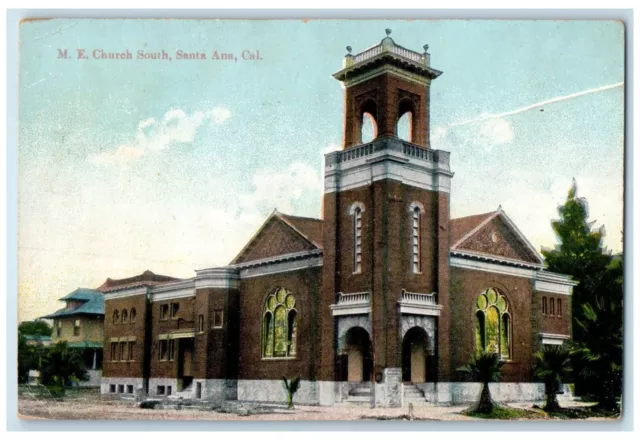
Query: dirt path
{"points": [[90, 407]]}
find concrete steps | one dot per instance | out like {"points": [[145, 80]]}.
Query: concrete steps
{"points": [[414, 395], [360, 395]]}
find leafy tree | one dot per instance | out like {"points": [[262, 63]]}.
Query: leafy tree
{"points": [[581, 255], [29, 358], [484, 368], [35, 328], [291, 387], [552, 366], [61, 365]]}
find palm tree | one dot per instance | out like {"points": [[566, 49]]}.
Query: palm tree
{"points": [[599, 355], [552, 365], [484, 368], [291, 387]]}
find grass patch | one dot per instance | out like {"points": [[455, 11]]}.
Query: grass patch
{"points": [[584, 412], [504, 413]]}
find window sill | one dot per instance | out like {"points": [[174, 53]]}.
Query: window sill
{"points": [[279, 358], [217, 328]]}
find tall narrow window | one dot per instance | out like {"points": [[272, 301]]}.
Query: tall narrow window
{"points": [[132, 315], [114, 351], [132, 346], [123, 351], [357, 245], [200, 323], [544, 305], [125, 315], [552, 308], [58, 328], [493, 324], [116, 316], [279, 325], [76, 327], [416, 247], [356, 211], [416, 211], [559, 308]]}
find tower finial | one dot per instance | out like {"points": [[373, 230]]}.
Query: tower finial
{"points": [[426, 48], [388, 31], [349, 49]]}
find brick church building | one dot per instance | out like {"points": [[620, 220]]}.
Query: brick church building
{"points": [[379, 302]]}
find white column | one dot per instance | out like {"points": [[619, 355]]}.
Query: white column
{"points": [[95, 359]]}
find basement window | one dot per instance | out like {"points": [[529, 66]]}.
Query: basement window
{"points": [[129, 389], [160, 390], [169, 390], [121, 389], [112, 388]]}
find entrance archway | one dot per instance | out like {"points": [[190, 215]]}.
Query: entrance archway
{"points": [[356, 356], [415, 356]]}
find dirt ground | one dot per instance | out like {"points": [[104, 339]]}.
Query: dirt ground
{"points": [[89, 406]]}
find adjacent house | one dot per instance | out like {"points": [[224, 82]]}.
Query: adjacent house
{"points": [[81, 322]]}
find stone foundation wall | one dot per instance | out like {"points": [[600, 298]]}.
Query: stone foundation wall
{"points": [[121, 383], [274, 391], [453, 393]]}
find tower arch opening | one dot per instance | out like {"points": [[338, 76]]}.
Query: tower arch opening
{"points": [[368, 121]]}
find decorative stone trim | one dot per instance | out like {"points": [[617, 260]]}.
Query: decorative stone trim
{"points": [[388, 158], [345, 323], [553, 338], [124, 293], [415, 204], [312, 259], [217, 278], [427, 323], [351, 304], [490, 266], [354, 206], [554, 283]]}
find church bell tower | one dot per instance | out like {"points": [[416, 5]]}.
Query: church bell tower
{"points": [[384, 312]]}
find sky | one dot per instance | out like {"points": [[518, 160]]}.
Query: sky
{"points": [[171, 166]]}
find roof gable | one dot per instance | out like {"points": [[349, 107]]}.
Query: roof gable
{"points": [[282, 234], [146, 278], [494, 234]]}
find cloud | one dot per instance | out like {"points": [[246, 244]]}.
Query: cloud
{"points": [[485, 135], [175, 127]]}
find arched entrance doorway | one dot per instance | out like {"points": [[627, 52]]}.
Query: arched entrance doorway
{"points": [[355, 356], [415, 356]]}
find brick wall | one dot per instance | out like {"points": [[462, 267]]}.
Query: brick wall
{"points": [[387, 91], [305, 285], [466, 286], [117, 330]]}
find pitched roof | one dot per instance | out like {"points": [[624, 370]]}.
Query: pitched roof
{"points": [[92, 304], [147, 278], [80, 294], [310, 228], [464, 228], [300, 233]]}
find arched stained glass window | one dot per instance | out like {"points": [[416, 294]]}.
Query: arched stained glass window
{"points": [[279, 325], [493, 324]]}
